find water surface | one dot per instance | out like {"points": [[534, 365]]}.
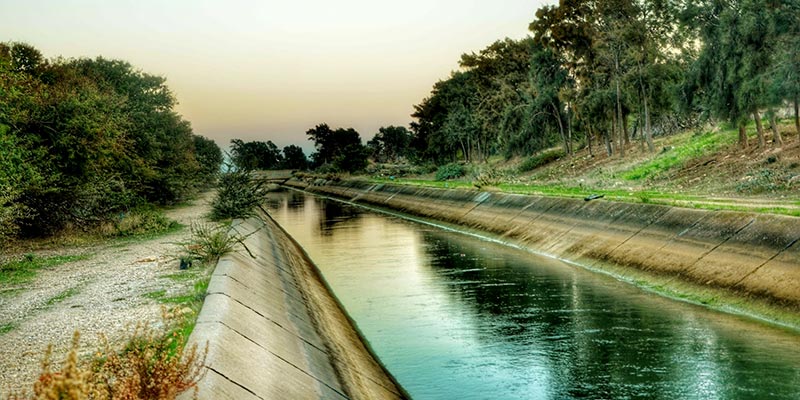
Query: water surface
{"points": [[454, 317]]}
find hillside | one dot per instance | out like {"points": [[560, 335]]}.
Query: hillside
{"points": [[703, 169]]}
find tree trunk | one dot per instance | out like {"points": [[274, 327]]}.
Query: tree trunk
{"points": [[759, 129], [742, 135], [589, 135], [625, 135], [557, 114], [777, 140], [569, 129], [796, 116], [648, 134], [609, 147], [619, 110]]}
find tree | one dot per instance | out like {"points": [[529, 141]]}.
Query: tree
{"points": [[331, 144], [390, 144], [209, 156], [294, 158], [255, 155], [96, 137]]}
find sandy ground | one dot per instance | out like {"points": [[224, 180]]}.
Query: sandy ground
{"points": [[108, 298]]}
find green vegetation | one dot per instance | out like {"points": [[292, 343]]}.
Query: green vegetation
{"points": [[153, 364], [540, 159], [212, 241], [450, 171], [62, 296], [23, 271], [7, 327], [84, 141], [597, 77], [239, 193], [695, 147]]}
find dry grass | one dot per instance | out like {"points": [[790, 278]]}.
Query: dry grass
{"points": [[153, 364]]}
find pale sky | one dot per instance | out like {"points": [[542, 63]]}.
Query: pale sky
{"points": [[270, 70]]}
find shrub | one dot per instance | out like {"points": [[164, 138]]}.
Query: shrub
{"points": [[540, 159], [450, 171], [138, 222], [238, 194], [210, 242]]}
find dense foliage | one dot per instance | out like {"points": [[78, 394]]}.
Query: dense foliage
{"points": [[338, 150], [612, 71], [86, 139]]}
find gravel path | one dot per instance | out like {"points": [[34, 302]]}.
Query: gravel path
{"points": [[105, 295]]}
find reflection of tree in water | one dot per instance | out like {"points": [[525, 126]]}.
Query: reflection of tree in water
{"points": [[595, 344], [333, 213], [292, 200]]}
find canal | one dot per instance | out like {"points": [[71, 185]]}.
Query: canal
{"points": [[456, 317]]}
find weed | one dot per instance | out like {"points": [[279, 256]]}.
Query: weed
{"points": [[182, 276], [62, 296], [155, 295], [7, 327], [211, 241], [153, 364], [24, 270]]}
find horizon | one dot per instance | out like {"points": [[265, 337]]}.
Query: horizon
{"points": [[271, 71]]}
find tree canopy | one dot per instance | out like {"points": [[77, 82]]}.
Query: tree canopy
{"points": [[89, 138]]}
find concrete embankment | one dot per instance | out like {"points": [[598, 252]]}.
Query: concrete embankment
{"points": [[742, 262], [274, 331]]}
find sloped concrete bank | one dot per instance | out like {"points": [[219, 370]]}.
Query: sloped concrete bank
{"points": [[274, 331], [742, 262]]}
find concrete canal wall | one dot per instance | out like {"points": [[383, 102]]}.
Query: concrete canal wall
{"points": [[739, 261], [274, 331]]}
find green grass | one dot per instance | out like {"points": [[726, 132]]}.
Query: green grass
{"points": [[182, 276], [629, 196], [24, 270], [693, 147], [191, 299], [62, 296], [155, 295], [7, 327]]}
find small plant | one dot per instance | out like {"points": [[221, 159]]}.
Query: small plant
{"points": [[450, 171], [238, 195], [211, 241]]}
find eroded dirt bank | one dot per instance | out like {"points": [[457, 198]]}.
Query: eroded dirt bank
{"points": [[742, 262], [274, 330]]}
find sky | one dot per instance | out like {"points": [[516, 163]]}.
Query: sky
{"points": [[271, 70]]}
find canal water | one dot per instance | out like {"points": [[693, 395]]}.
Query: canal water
{"points": [[455, 317]]}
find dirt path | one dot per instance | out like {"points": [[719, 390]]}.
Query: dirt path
{"points": [[103, 294]]}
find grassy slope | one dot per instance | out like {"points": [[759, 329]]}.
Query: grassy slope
{"points": [[704, 169]]}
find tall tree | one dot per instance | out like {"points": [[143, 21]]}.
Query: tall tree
{"points": [[294, 158]]}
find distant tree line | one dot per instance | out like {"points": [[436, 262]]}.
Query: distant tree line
{"points": [[265, 155], [599, 75], [83, 140]]}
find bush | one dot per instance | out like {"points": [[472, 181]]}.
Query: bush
{"points": [[152, 365], [238, 194], [450, 171], [540, 159], [138, 222], [210, 242]]}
